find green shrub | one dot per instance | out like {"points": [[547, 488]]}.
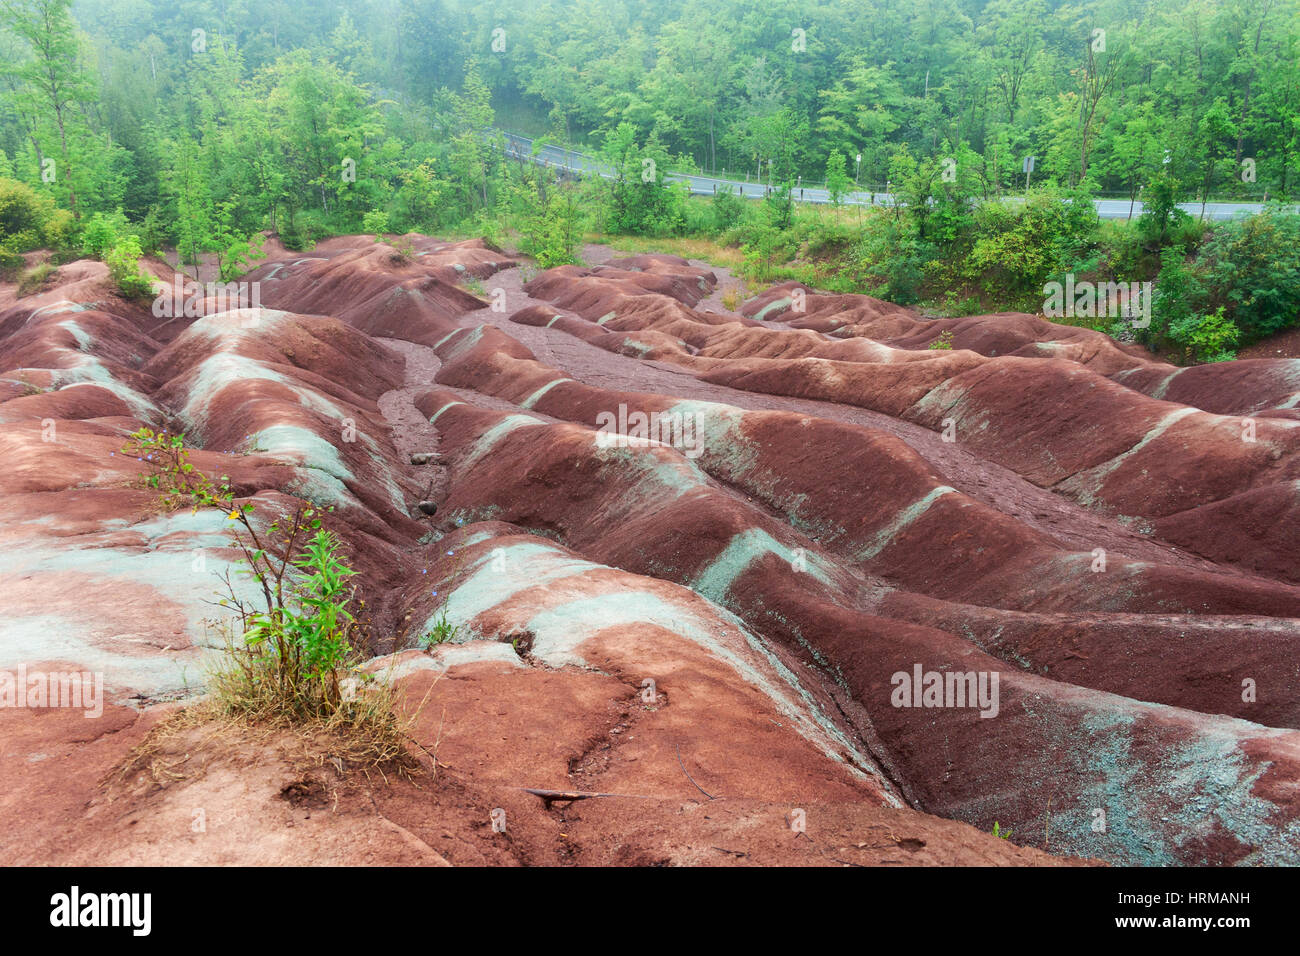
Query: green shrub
{"points": [[778, 205], [1188, 234], [376, 222], [766, 246], [308, 634], [551, 220], [1017, 250], [1206, 338], [11, 263], [306, 229], [838, 183], [726, 209], [640, 200], [60, 230], [23, 216], [155, 231], [487, 225], [889, 261], [1160, 213], [1126, 253], [1176, 292], [239, 257], [827, 238], [419, 204], [123, 262], [295, 650], [1251, 268], [100, 234], [403, 249]]}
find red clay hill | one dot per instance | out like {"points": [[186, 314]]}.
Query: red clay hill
{"points": [[739, 573]]}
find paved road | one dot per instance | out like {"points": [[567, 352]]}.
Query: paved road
{"points": [[557, 156]]}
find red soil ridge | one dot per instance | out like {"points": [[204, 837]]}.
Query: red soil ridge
{"points": [[1039, 505]]}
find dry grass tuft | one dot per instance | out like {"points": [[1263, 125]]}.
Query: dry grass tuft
{"points": [[35, 278]]}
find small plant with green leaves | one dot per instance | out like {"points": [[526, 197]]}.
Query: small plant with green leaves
{"points": [[475, 285], [1000, 833], [943, 342], [239, 257], [293, 653], [123, 262], [299, 645], [438, 628], [441, 632], [403, 250], [171, 473], [1206, 338]]}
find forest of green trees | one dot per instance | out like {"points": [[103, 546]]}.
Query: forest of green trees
{"points": [[127, 126]]}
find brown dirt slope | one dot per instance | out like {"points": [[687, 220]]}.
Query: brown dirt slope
{"points": [[703, 623]]}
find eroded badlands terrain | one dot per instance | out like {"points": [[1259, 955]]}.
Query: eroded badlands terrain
{"points": [[822, 502]]}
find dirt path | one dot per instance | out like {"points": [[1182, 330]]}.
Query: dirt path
{"points": [[411, 431]]}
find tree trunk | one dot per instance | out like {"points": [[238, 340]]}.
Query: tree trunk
{"points": [[713, 152], [67, 164]]}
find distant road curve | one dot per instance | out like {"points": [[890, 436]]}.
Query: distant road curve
{"points": [[557, 156]]}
